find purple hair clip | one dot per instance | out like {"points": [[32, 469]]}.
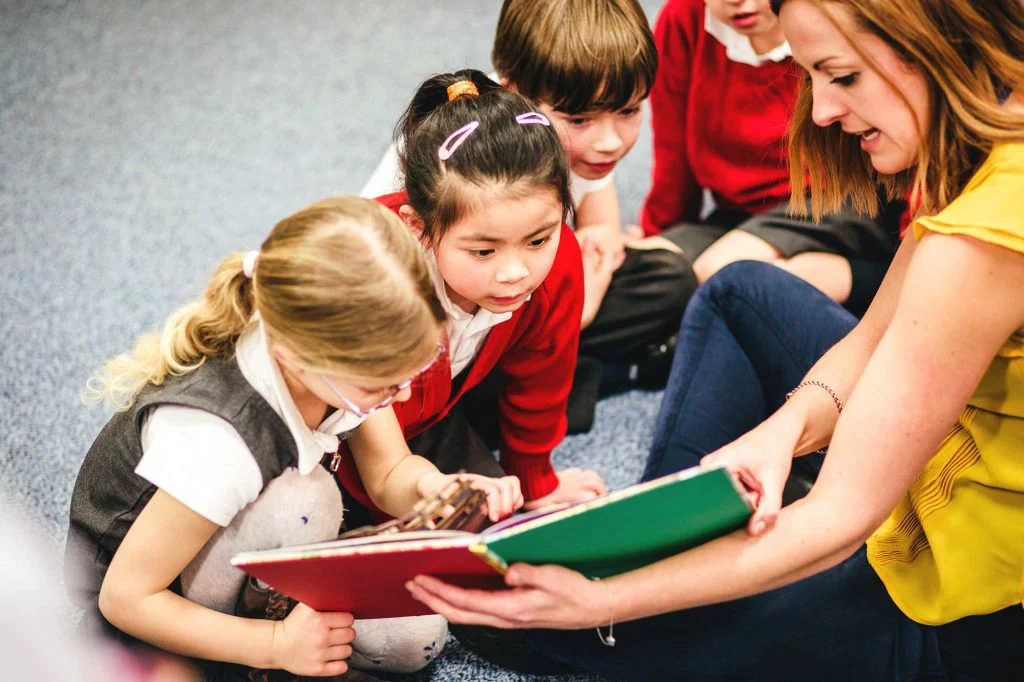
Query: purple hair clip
{"points": [[455, 140], [532, 117]]}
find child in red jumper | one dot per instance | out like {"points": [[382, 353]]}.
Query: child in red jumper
{"points": [[487, 192], [720, 108]]}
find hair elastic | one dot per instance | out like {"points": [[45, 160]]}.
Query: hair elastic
{"points": [[455, 140], [249, 263], [463, 87], [532, 117]]}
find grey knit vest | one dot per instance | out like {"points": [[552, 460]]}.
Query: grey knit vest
{"points": [[109, 495]]}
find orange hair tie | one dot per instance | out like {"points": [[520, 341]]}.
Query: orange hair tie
{"points": [[464, 87]]}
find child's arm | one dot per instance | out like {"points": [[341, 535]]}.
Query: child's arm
{"points": [[598, 217], [598, 233], [135, 598], [675, 195], [396, 479], [538, 373]]}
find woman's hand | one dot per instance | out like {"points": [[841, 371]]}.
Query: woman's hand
{"points": [[761, 458], [541, 597], [308, 642], [574, 485], [503, 494]]}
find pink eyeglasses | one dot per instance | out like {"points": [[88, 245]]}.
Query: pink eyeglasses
{"points": [[393, 391]]}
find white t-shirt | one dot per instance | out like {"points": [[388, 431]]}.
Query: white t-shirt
{"points": [[200, 460], [466, 332]]}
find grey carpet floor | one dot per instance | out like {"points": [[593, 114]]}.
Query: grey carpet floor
{"points": [[140, 142]]}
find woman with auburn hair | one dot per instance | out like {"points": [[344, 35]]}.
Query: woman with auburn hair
{"points": [[905, 560]]}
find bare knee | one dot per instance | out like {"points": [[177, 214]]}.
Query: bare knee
{"points": [[829, 273], [734, 246]]}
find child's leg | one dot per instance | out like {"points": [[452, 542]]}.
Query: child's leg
{"points": [[731, 248], [643, 305], [398, 645], [844, 255]]}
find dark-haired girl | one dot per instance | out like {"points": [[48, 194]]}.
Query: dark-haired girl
{"points": [[487, 193]]}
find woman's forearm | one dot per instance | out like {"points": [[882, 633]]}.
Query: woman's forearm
{"points": [[173, 623], [813, 406], [807, 539], [842, 366]]}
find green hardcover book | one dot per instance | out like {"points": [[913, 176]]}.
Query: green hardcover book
{"points": [[630, 528], [627, 529]]}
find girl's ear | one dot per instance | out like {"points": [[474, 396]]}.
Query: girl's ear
{"points": [[412, 219], [284, 357], [503, 82]]}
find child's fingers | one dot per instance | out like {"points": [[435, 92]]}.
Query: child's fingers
{"points": [[592, 481], [339, 652], [517, 492], [341, 636], [507, 497], [338, 619]]}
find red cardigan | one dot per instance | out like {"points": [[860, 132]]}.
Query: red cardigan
{"points": [[716, 123], [536, 352]]}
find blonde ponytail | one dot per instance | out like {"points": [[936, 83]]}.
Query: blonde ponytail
{"points": [[207, 327]]}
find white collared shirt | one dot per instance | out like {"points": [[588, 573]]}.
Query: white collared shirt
{"points": [[201, 461], [466, 331], [737, 45]]}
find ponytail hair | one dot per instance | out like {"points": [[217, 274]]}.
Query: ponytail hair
{"points": [[342, 284], [500, 153]]}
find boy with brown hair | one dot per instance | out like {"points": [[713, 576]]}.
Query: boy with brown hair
{"points": [[589, 66]]}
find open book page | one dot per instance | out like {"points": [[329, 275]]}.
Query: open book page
{"points": [[426, 539], [629, 528]]}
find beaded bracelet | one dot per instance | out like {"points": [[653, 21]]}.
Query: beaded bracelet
{"points": [[815, 382], [835, 398]]}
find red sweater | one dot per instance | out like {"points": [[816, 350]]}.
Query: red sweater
{"points": [[535, 350], [717, 124]]}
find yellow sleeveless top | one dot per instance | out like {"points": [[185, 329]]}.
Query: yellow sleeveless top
{"points": [[954, 545]]}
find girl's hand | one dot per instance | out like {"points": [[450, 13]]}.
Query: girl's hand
{"points": [[761, 459], [308, 642], [541, 597], [503, 494], [574, 485]]}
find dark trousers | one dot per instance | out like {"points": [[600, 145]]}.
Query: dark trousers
{"points": [[642, 307]]}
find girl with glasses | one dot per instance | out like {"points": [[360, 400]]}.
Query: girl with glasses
{"points": [[226, 426]]}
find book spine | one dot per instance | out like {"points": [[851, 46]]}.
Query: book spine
{"points": [[485, 555]]}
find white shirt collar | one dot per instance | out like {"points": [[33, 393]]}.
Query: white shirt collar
{"points": [[475, 322], [261, 371], [737, 45]]}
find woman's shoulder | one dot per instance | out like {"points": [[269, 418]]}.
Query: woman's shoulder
{"points": [[989, 207]]}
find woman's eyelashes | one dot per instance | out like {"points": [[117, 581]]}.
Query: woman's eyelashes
{"points": [[845, 81], [537, 243]]}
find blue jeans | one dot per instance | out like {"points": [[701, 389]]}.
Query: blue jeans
{"points": [[748, 336]]}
